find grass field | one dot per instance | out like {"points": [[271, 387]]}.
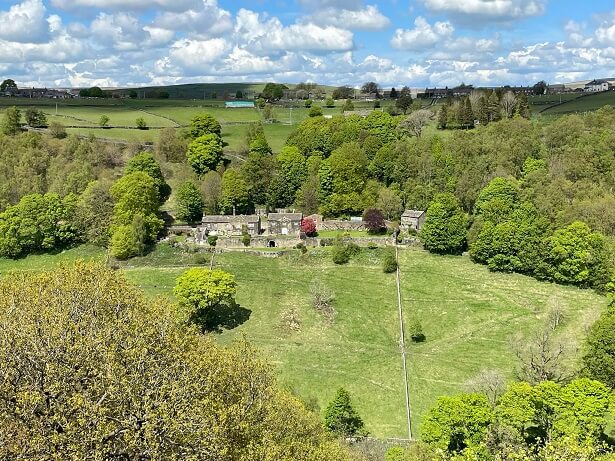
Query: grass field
{"points": [[469, 316], [585, 103]]}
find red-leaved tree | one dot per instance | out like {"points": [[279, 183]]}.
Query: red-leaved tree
{"points": [[374, 221], [308, 227]]}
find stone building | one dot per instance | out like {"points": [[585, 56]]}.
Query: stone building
{"points": [[230, 225], [412, 219], [284, 223]]}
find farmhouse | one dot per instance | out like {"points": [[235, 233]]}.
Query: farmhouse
{"points": [[412, 219], [596, 86], [284, 223], [230, 225]]}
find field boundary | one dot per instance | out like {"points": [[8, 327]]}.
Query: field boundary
{"points": [[402, 344]]}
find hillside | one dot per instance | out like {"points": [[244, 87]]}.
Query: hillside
{"points": [[469, 316], [580, 103]]}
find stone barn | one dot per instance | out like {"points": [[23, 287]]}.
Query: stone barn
{"points": [[284, 224], [230, 225], [412, 219]]}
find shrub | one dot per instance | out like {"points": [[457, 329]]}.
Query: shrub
{"points": [[141, 123], [374, 221], [57, 130], [246, 239], [212, 240], [322, 299], [340, 254], [389, 261], [415, 329], [199, 259], [308, 226], [341, 418], [315, 111], [301, 246]]}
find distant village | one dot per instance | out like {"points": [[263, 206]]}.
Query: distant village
{"points": [[592, 86]]}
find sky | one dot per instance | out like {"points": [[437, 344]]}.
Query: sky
{"points": [[418, 43]]}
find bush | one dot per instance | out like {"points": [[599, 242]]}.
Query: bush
{"points": [[308, 227], [141, 123], [341, 418], [415, 329], [200, 259], [57, 130], [389, 261], [340, 254], [212, 240], [246, 239], [301, 246], [315, 111], [374, 221]]}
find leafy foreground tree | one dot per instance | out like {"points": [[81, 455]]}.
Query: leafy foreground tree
{"points": [[91, 370], [11, 122], [189, 202], [599, 359], [341, 418]]}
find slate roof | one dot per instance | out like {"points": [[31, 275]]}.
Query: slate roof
{"points": [[214, 219], [289, 216], [413, 214]]}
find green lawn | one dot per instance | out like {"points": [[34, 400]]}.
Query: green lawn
{"points": [[469, 316]]}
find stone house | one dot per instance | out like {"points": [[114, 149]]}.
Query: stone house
{"points": [[284, 223], [596, 86], [412, 219], [230, 225]]}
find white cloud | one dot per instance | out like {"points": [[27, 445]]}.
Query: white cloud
{"points": [[197, 54], [263, 34], [167, 5], [24, 22], [368, 18], [422, 36], [494, 9], [205, 20]]}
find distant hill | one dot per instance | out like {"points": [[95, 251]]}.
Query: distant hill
{"points": [[208, 90]]}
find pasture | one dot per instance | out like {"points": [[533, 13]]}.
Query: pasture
{"points": [[469, 316]]}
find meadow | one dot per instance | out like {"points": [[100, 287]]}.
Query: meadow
{"points": [[469, 316]]}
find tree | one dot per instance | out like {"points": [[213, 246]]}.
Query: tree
{"points": [[341, 418], [370, 88], [415, 123], [238, 94], [389, 261], [374, 221], [146, 163], [315, 111], [189, 203], [404, 102], [162, 391], [37, 223], [211, 188], [343, 92], [235, 197], [393, 94], [11, 122], [136, 194], [268, 114], [57, 130], [171, 147], [141, 124], [36, 118], [445, 227], [200, 291], [132, 94], [457, 422], [540, 88], [204, 124], [330, 102], [443, 117], [348, 106], [103, 121], [599, 358], [94, 213], [389, 202], [205, 153], [578, 256], [126, 242], [308, 103], [273, 91], [415, 331], [523, 106], [308, 227], [508, 104], [8, 84]]}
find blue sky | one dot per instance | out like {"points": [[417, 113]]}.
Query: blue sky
{"points": [[393, 42]]}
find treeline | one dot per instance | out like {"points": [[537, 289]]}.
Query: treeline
{"points": [[482, 108]]}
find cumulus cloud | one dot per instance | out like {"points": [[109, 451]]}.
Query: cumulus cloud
{"points": [[423, 35], [269, 34], [24, 22], [168, 5], [493, 9], [205, 20], [368, 18]]}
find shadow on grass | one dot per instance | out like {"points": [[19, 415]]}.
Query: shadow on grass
{"points": [[222, 317]]}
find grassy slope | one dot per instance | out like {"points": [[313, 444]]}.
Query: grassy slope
{"points": [[468, 314], [583, 104]]}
